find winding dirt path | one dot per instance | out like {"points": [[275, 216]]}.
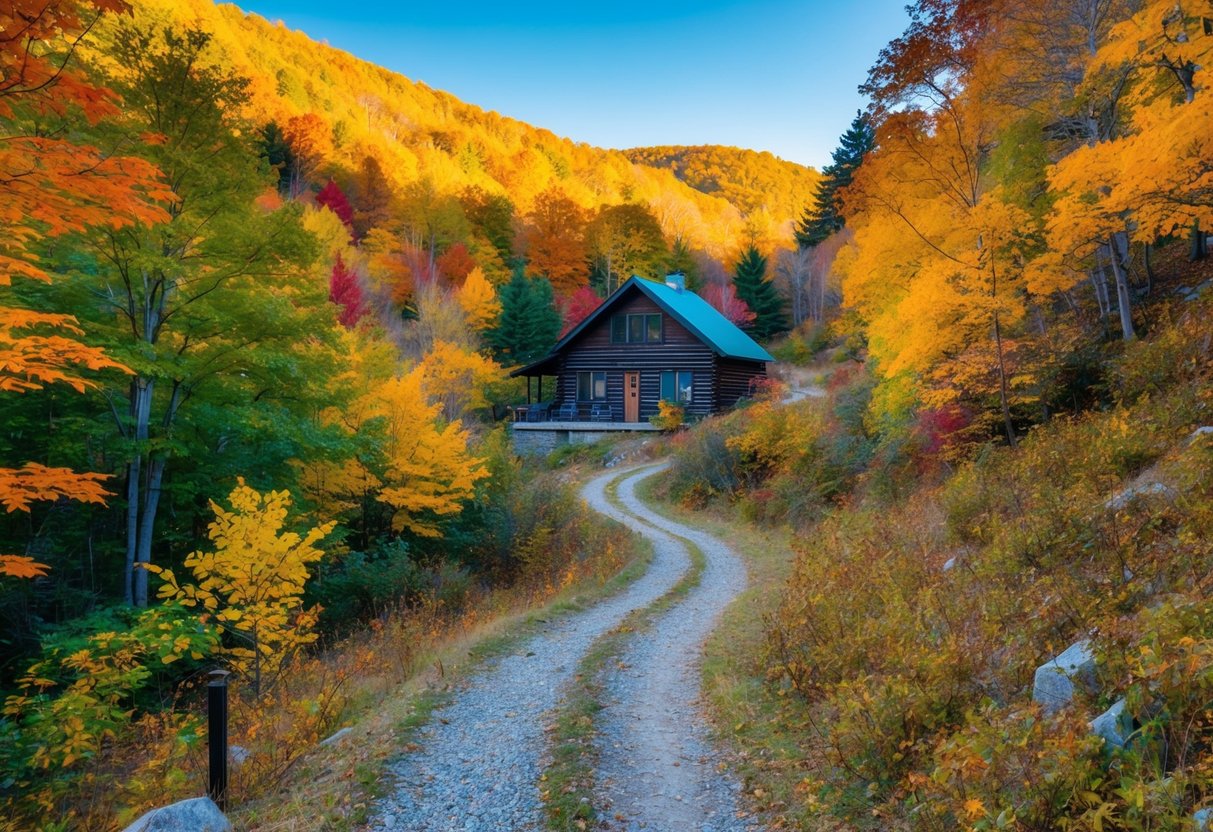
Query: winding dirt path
{"points": [[657, 767], [481, 756]]}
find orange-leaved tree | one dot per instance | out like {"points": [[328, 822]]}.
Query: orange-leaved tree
{"points": [[51, 185], [554, 242]]}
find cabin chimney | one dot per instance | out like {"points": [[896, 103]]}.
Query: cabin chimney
{"points": [[676, 281]]}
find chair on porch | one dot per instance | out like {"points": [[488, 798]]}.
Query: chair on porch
{"points": [[602, 413], [567, 412], [538, 412]]}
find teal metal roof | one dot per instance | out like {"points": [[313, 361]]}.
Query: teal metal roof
{"points": [[701, 318]]}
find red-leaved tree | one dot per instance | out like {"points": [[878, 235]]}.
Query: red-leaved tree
{"points": [[723, 298], [346, 292], [578, 307], [333, 198]]}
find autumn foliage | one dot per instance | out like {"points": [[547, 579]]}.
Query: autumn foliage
{"points": [[251, 586], [51, 187]]}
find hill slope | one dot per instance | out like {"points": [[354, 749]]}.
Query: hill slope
{"points": [[754, 181], [416, 132]]}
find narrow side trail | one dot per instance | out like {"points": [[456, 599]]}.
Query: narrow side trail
{"points": [[657, 767], [482, 755]]}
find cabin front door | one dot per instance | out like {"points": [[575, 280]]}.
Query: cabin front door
{"points": [[631, 396]]}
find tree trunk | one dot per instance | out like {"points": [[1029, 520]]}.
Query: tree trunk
{"points": [[147, 524], [1122, 291], [132, 525], [1003, 392], [1149, 269], [142, 390], [1099, 283], [1199, 245], [1004, 398]]}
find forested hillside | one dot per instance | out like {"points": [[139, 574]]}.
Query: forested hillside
{"points": [[353, 111], [756, 182]]}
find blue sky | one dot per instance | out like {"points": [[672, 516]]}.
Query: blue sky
{"points": [[769, 75]]}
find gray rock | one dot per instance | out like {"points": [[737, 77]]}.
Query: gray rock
{"points": [[198, 814], [239, 754], [1203, 430], [1203, 820], [337, 737], [1130, 494], [1114, 725], [949, 564], [1056, 680]]}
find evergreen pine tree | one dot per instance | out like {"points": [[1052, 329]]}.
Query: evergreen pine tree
{"points": [[683, 261], [749, 279], [823, 216], [529, 322]]}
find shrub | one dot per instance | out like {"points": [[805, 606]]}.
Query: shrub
{"points": [[923, 674], [703, 465], [362, 585], [669, 416]]}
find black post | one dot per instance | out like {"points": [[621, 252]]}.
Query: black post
{"points": [[216, 740]]}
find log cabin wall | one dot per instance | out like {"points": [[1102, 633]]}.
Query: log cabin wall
{"points": [[735, 380], [678, 350]]}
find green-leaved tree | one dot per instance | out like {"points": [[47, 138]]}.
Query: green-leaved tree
{"points": [[529, 322], [750, 281], [823, 216]]}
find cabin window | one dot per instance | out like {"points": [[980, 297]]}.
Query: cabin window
{"points": [[677, 386], [591, 386], [652, 329], [619, 329], [636, 329]]}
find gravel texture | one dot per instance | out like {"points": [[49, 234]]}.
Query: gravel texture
{"points": [[657, 769], [481, 756]]}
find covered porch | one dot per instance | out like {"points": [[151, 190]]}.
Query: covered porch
{"points": [[542, 403]]}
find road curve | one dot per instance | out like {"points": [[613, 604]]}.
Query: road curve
{"points": [[657, 767], [481, 756]]}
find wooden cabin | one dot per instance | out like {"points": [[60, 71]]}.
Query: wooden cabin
{"points": [[647, 342]]}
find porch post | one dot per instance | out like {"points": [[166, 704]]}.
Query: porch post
{"points": [[528, 389]]}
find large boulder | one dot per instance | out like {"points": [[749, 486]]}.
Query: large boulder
{"points": [[198, 814], [1115, 725], [337, 737], [1057, 680], [1138, 492]]}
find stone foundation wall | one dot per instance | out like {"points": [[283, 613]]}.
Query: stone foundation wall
{"points": [[541, 442], [538, 442]]}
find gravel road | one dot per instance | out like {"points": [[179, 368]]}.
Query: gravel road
{"points": [[657, 769], [481, 756]]}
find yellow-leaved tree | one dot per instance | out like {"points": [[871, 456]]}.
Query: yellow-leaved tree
{"points": [[429, 472], [251, 585], [459, 379], [479, 300]]}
